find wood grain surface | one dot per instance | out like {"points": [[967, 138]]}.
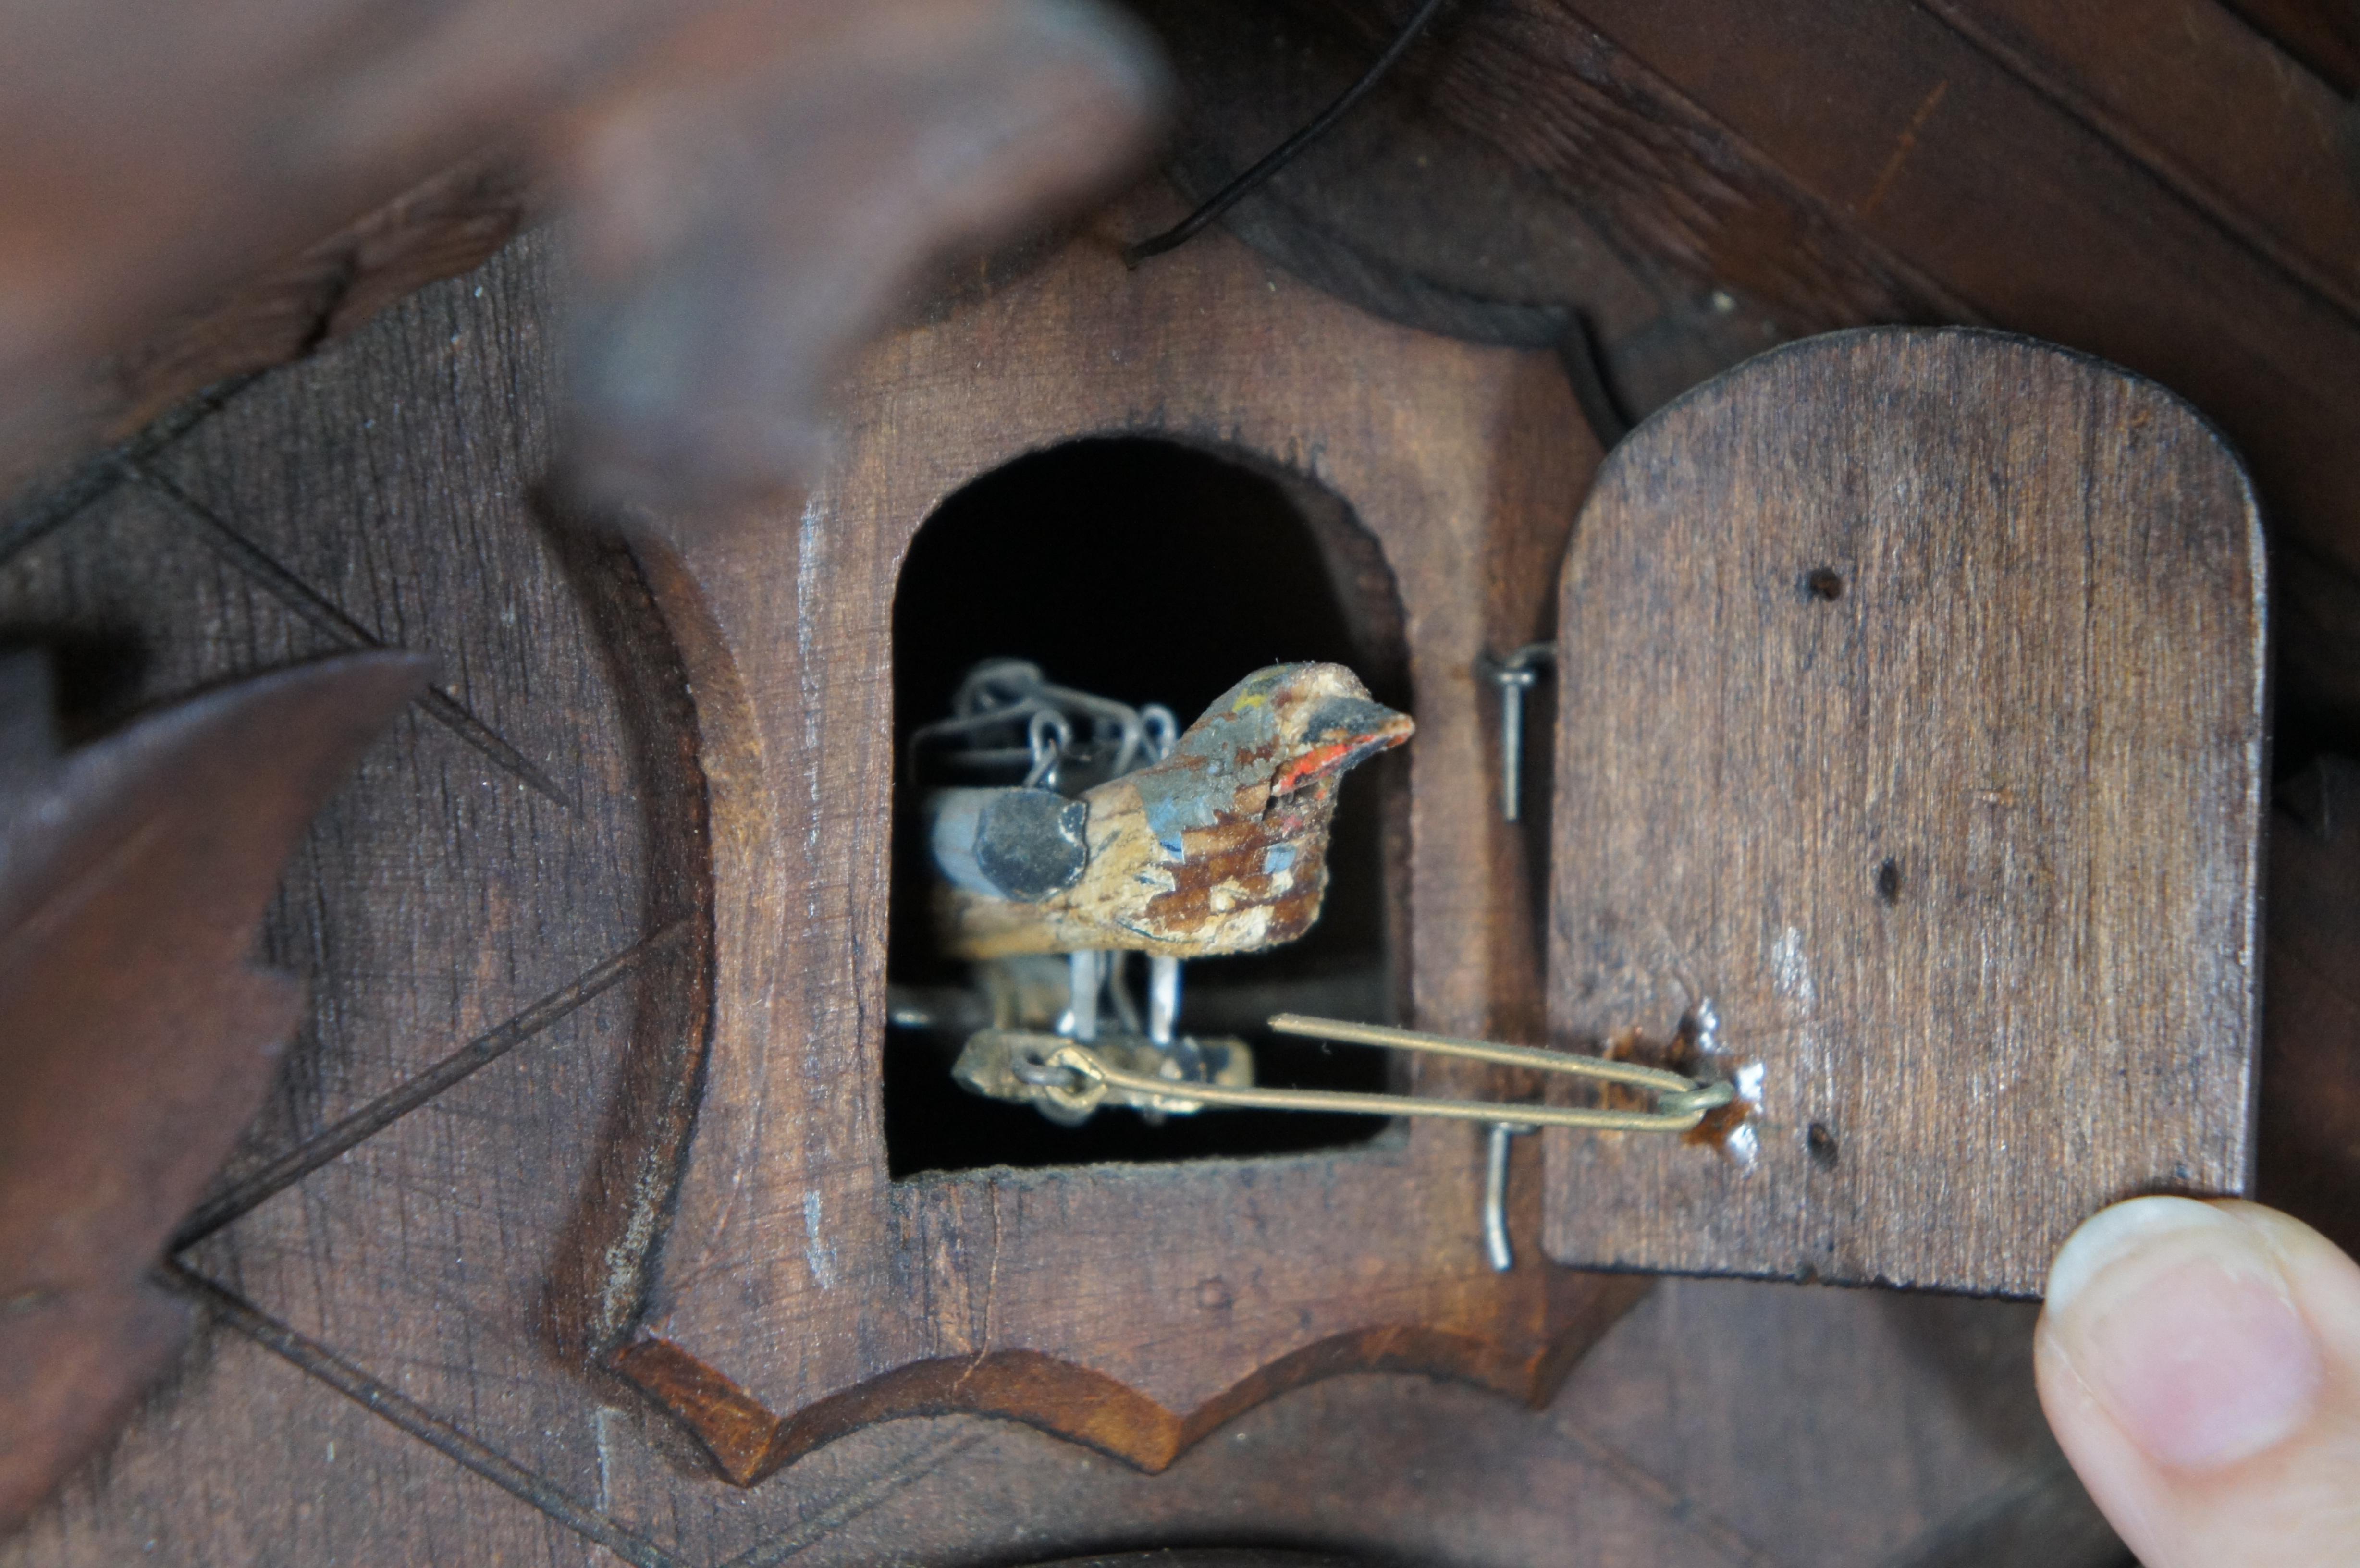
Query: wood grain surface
{"points": [[799, 1292], [390, 1386], [1911, 715], [2029, 204], [2165, 185], [751, 186], [1699, 177], [2316, 33], [456, 915], [2310, 1113]]}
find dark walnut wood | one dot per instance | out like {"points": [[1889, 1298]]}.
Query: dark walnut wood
{"points": [[486, 1020], [800, 1292], [2321, 34], [2010, 166], [1208, 1557], [2309, 1163], [136, 1038], [411, 1374], [448, 224], [1910, 711], [2163, 186], [753, 185]]}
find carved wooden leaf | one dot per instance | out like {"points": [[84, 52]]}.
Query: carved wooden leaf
{"points": [[135, 1040]]}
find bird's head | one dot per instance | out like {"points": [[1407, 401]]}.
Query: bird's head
{"points": [[1327, 723], [1292, 727]]}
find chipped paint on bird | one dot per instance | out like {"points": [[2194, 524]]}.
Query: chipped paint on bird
{"points": [[1219, 848]]}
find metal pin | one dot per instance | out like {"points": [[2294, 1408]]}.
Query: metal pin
{"points": [[1085, 979], [1184, 1057], [1117, 992], [1514, 676], [1163, 998], [1495, 1196]]}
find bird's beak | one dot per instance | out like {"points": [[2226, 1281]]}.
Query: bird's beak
{"points": [[1343, 731]]}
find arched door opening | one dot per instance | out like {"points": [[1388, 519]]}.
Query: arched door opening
{"points": [[1148, 571]]}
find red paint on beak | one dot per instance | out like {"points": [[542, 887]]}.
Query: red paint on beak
{"points": [[1336, 756], [1312, 764]]}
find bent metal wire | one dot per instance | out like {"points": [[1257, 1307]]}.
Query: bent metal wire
{"points": [[1005, 712], [1054, 1071]]}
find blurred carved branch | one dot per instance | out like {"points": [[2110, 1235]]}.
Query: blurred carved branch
{"points": [[759, 183], [135, 1040]]}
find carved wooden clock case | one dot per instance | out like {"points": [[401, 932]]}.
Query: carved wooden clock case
{"points": [[1854, 643], [798, 1289], [602, 1159]]}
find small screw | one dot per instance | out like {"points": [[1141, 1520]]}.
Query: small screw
{"points": [[1514, 676]]}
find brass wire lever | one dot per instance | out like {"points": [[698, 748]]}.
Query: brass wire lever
{"points": [[1074, 1079]]}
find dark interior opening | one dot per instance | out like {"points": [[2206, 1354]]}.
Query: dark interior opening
{"points": [[1149, 571]]}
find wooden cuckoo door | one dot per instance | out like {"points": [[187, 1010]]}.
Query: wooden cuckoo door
{"points": [[1909, 768]]}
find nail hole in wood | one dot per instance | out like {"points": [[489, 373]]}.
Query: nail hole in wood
{"points": [[1822, 1146], [1888, 880], [1823, 582]]}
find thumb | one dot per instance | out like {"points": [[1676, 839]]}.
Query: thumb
{"points": [[2199, 1363]]}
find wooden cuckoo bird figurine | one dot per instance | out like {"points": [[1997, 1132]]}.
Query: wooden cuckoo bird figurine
{"points": [[1221, 847]]}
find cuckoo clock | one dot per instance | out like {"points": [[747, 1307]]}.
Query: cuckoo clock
{"points": [[1327, 770], [1906, 770], [1345, 488]]}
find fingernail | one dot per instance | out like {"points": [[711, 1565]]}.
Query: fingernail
{"points": [[2178, 1319]]}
